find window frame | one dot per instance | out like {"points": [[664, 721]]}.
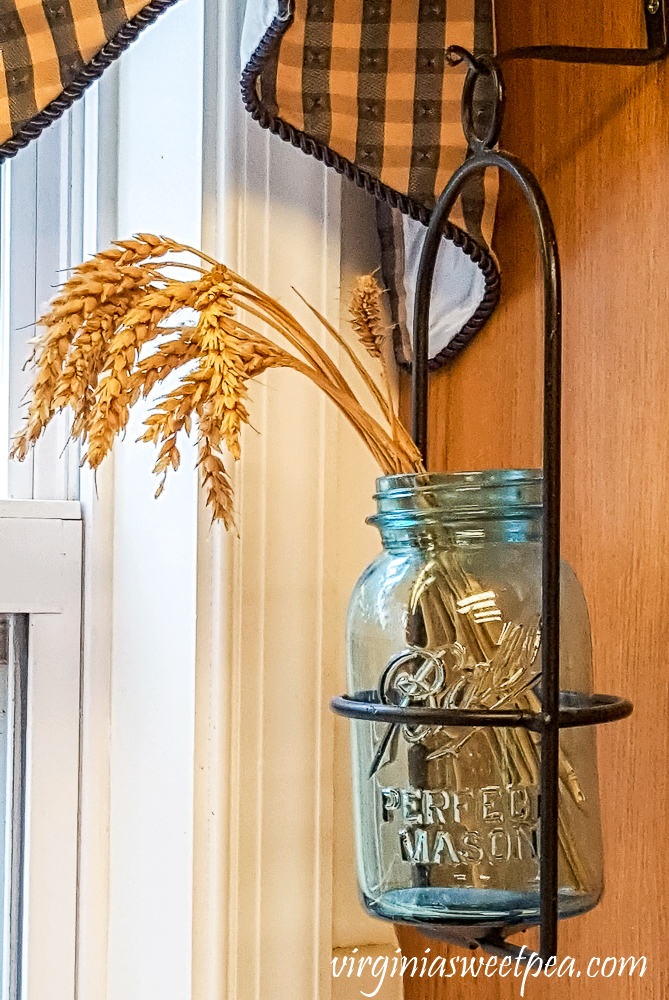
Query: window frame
{"points": [[40, 576]]}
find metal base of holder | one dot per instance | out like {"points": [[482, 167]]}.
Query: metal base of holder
{"points": [[489, 939]]}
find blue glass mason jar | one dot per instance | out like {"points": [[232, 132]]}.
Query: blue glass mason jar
{"points": [[448, 616]]}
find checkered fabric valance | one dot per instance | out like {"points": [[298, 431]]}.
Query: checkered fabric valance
{"points": [[364, 86], [50, 51]]}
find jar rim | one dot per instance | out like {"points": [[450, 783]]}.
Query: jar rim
{"points": [[415, 498], [416, 482]]}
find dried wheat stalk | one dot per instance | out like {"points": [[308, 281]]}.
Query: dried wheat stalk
{"points": [[89, 358], [80, 323]]}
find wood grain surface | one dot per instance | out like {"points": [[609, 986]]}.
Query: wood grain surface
{"points": [[598, 140]]}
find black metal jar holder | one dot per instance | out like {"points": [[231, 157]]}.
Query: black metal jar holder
{"points": [[589, 710]]}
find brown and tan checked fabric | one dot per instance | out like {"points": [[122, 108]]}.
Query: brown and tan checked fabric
{"points": [[367, 80], [51, 50], [364, 86]]}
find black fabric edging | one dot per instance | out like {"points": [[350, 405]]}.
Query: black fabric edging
{"points": [[91, 72]]}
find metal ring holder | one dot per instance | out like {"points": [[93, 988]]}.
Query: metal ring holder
{"points": [[593, 709]]}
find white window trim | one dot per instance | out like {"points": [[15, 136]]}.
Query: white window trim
{"points": [[40, 575], [43, 220], [135, 899]]}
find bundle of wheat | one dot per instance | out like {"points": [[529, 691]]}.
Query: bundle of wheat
{"points": [[89, 357]]}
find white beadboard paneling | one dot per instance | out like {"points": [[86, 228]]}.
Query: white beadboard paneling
{"points": [[291, 236], [351, 546], [261, 743], [272, 601]]}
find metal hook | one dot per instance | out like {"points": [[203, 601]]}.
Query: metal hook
{"points": [[489, 113]]}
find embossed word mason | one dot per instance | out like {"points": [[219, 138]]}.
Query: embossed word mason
{"points": [[470, 826]]}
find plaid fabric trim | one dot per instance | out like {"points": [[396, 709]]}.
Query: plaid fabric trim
{"points": [[371, 90], [18, 64], [59, 16], [51, 50], [427, 101], [367, 78]]}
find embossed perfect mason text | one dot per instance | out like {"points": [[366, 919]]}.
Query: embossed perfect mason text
{"points": [[465, 826]]}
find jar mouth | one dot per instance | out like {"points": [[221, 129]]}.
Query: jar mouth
{"points": [[492, 493]]}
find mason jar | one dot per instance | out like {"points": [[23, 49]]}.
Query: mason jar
{"points": [[449, 616]]}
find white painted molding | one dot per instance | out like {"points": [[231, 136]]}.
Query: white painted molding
{"points": [[40, 575], [136, 858], [270, 903], [63, 510], [154, 556]]}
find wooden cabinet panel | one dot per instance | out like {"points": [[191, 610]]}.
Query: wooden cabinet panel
{"points": [[597, 137]]}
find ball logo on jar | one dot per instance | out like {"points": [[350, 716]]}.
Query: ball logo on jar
{"points": [[450, 677]]}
